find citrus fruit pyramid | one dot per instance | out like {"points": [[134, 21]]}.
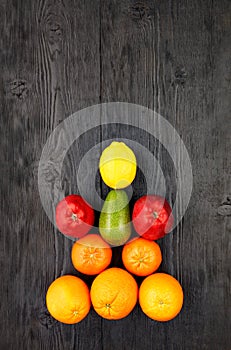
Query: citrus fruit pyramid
{"points": [[114, 291]]}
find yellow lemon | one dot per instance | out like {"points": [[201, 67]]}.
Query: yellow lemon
{"points": [[117, 165]]}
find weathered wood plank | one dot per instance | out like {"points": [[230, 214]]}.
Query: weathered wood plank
{"points": [[167, 56], [60, 56], [50, 68]]}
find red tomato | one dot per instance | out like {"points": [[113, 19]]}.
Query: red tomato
{"points": [[150, 216], [74, 216]]}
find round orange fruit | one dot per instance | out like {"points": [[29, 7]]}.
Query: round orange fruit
{"points": [[161, 297], [91, 254], [68, 299], [141, 257], [114, 293]]}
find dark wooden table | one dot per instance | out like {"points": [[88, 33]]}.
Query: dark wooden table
{"points": [[58, 57]]}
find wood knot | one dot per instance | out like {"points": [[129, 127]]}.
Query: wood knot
{"points": [[226, 199], [46, 319], [180, 76], [54, 32], [18, 88], [140, 11], [225, 208]]}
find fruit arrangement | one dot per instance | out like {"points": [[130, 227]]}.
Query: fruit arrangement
{"points": [[114, 291]]}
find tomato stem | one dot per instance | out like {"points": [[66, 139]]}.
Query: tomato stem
{"points": [[155, 214], [74, 217]]}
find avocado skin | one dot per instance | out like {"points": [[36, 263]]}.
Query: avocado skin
{"points": [[114, 220]]}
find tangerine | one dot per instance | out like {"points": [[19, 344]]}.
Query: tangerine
{"points": [[141, 257], [91, 254]]}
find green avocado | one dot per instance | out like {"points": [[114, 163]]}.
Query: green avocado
{"points": [[114, 220]]}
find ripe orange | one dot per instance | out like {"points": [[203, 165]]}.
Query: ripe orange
{"points": [[68, 299], [91, 254], [161, 297], [141, 257], [114, 293]]}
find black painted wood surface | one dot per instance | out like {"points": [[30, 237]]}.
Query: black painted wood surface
{"points": [[58, 57]]}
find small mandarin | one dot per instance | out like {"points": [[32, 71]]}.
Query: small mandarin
{"points": [[141, 257], [91, 254]]}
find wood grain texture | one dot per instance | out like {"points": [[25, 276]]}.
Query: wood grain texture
{"points": [[60, 56]]}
